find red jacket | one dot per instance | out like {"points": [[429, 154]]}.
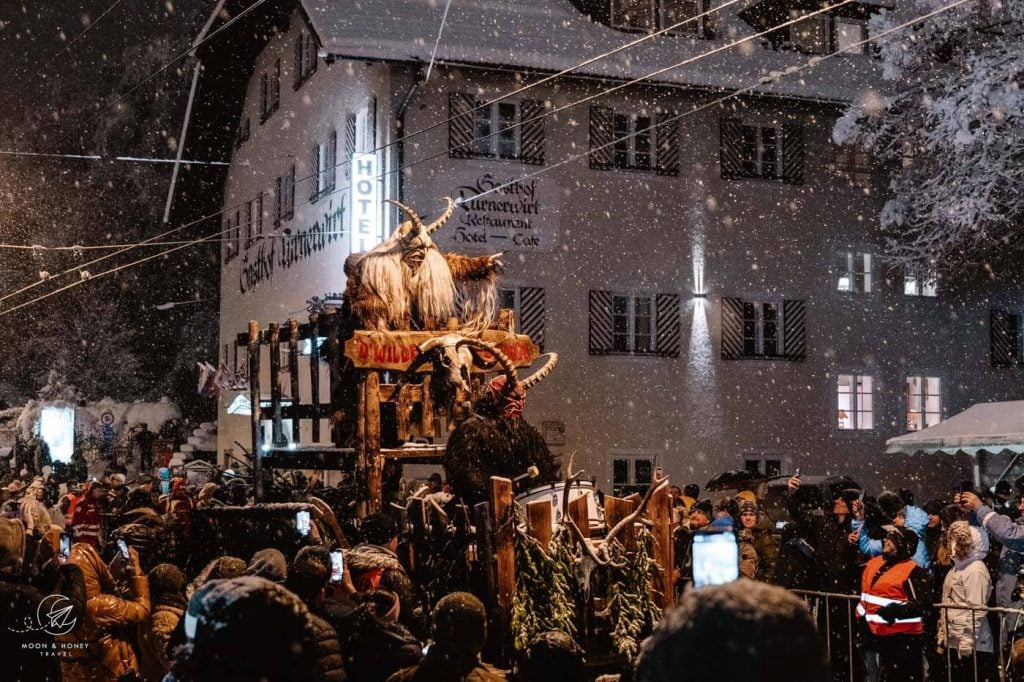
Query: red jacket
{"points": [[86, 521]]}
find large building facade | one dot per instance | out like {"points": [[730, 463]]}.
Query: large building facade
{"points": [[707, 264]]}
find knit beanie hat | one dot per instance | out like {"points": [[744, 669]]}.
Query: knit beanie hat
{"points": [[891, 504], [270, 564], [903, 539], [703, 506], [747, 506]]}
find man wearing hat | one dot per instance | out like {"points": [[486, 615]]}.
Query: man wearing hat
{"points": [[87, 516], [898, 513], [761, 538], [895, 592]]}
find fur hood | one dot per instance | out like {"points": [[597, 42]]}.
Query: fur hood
{"points": [[365, 557]]}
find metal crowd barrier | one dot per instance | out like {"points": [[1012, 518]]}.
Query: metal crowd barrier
{"points": [[821, 606]]}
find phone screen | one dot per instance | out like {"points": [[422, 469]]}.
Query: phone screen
{"points": [[302, 522], [65, 546], [124, 549], [716, 558], [337, 566]]}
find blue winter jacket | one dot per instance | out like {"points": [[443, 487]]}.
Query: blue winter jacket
{"points": [[917, 521]]}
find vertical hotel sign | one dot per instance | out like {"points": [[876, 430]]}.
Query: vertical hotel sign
{"points": [[365, 203]]}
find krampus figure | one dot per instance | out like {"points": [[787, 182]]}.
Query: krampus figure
{"points": [[495, 440], [405, 282]]}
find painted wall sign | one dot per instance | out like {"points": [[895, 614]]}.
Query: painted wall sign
{"points": [[267, 256], [395, 350], [365, 203], [513, 216]]}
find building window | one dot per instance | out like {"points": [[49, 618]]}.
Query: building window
{"points": [[921, 285], [672, 12], [254, 220], [527, 305], [632, 147], [759, 152], [769, 466], [633, 14], [633, 324], [855, 272], [631, 474], [856, 408], [305, 58], [499, 130], [494, 131], [811, 34], [849, 35], [764, 329], [229, 235], [270, 91], [324, 161], [852, 163], [761, 329], [924, 402], [284, 197]]}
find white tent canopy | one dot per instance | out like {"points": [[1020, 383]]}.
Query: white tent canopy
{"points": [[985, 427]]}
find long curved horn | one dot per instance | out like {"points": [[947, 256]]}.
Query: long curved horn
{"points": [[541, 374], [443, 218], [506, 364], [414, 217]]}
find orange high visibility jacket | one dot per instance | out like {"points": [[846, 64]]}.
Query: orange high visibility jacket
{"points": [[887, 590]]}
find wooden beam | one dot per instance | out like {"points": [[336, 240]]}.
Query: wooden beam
{"points": [[293, 373], [616, 509], [660, 512], [254, 397], [275, 382], [395, 350], [538, 515], [504, 560], [372, 452], [314, 376], [579, 513], [428, 425]]}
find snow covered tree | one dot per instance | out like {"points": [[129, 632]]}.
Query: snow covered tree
{"points": [[949, 125]]}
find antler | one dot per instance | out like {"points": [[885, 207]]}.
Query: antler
{"points": [[423, 358], [631, 518], [503, 360], [541, 374], [443, 218], [414, 217]]}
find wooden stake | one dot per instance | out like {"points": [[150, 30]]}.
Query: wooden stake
{"points": [[372, 450], [293, 375], [504, 559], [314, 374], [616, 509], [254, 398], [660, 512], [275, 383], [538, 516]]}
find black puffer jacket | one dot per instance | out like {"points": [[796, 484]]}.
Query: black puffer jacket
{"points": [[377, 648], [330, 666], [373, 566]]}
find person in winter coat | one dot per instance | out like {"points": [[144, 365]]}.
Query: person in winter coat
{"points": [[1007, 532], [167, 601], [762, 539], [967, 633], [221, 568], [374, 564], [795, 567], [32, 511], [87, 516], [245, 628], [308, 578], [740, 631], [268, 563], [99, 648], [898, 514], [375, 643], [895, 598], [458, 634]]}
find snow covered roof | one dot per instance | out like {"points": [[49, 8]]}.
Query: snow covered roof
{"points": [[992, 427], [551, 35]]}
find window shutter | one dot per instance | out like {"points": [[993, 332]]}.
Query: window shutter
{"points": [[793, 154], [531, 132], [315, 189], [667, 141], [264, 95], [300, 56], [732, 328], [600, 322], [258, 226], [730, 142], [350, 143], [602, 135], [460, 125], [531, 314], [667, 327], [1003, 338], [794, 330], [311, 55], [332, 161], [275, 86], [290, 194], [278, 200]]}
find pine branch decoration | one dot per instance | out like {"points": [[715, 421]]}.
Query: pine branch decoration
{"points": [[630, 607]]}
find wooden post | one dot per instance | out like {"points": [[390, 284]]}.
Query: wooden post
{"points": [[293, 375], [403, 410], [329, 324], [580, 515], [428, 428], [504, 561], [314, 374], [371, 412], [361, 457], [255, 411], [616, 509], [538, 516], [660, 511], [275, 383]]}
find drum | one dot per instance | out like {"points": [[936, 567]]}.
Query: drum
{"points": [[553, 493]]}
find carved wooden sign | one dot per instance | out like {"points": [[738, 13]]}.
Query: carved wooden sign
{"points": [[395, 350]]}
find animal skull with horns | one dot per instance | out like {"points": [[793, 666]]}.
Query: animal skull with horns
{"points": [[405, 282]]}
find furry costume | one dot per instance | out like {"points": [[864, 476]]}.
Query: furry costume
{"points": [[405, 282]]}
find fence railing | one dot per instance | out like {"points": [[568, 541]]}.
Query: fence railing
{"points": [[842, 647]]}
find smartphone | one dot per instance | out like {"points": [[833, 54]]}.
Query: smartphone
{"points": [[716, 558], [337, 566], [65, 546], [123, 546], [302, 522], [797, 474]]}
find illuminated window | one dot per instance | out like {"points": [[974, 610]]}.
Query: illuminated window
{"points": [[850, 34], [924, 402], [856, 406], [855, 272], [853, 163], [925, 285], [811, 34], [57, 430]]}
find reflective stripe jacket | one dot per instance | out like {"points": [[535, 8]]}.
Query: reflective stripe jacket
{"points": [[885, 591]]}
